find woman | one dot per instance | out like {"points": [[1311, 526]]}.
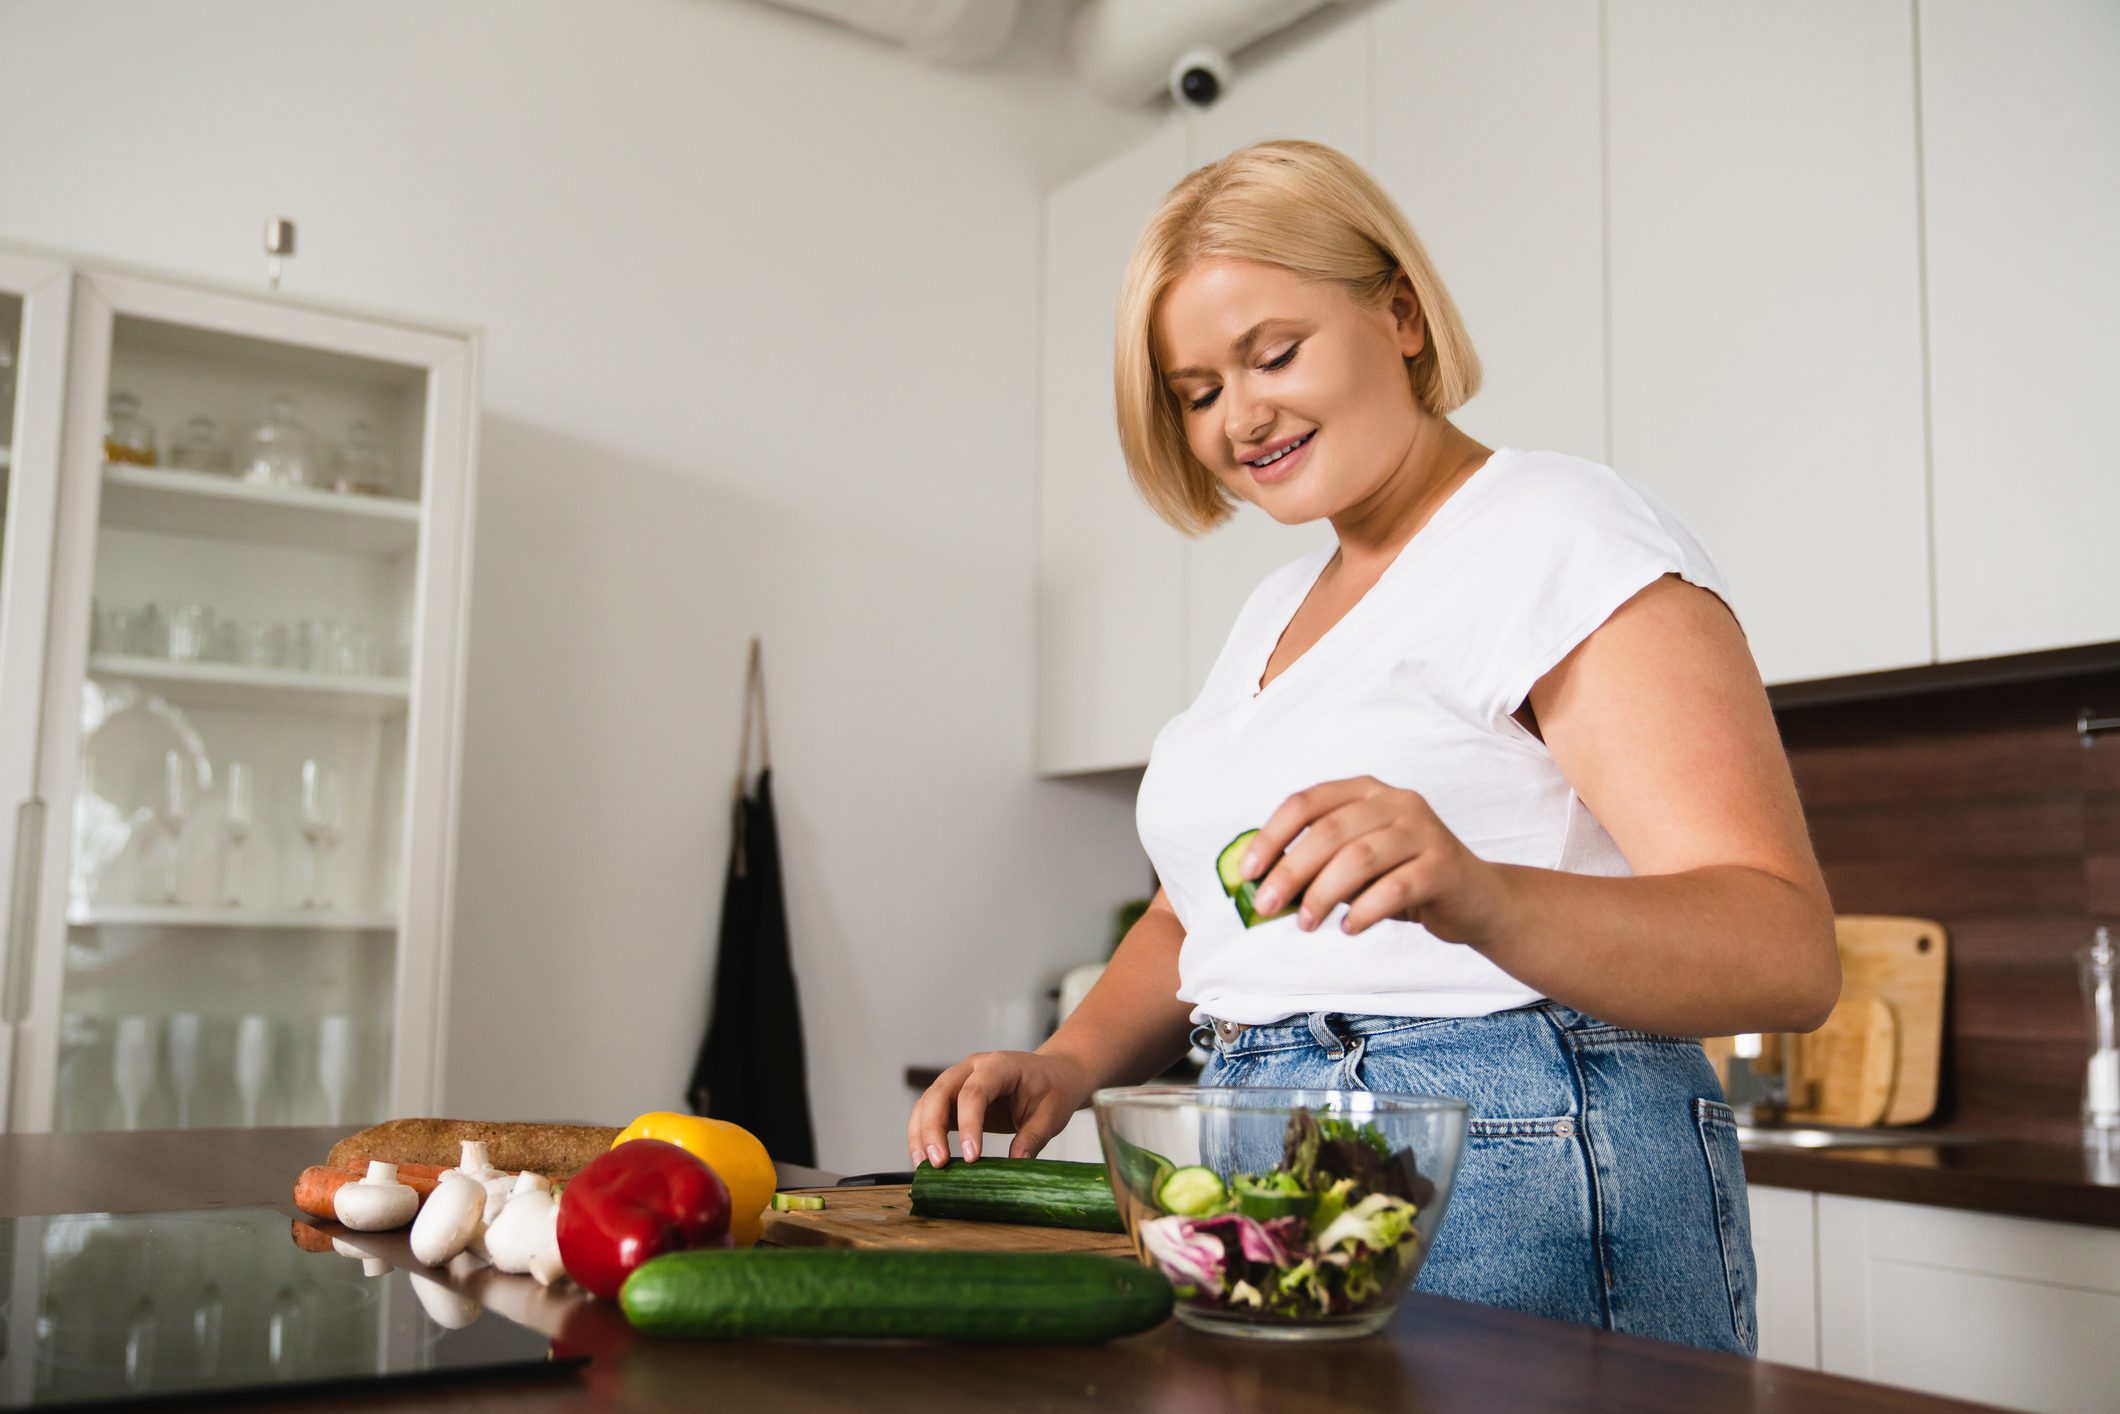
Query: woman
{"points": [[1510, 759]]}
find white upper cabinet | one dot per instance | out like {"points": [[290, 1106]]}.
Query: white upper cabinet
{"points": [[1313, 85], [1111, 575], [2020, 108], [1487, 137], [1765, 307]]}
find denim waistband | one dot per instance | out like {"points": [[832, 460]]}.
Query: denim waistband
{"points": [[1335, 1030]]}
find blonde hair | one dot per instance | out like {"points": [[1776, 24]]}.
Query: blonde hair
{"points": [[1312, 211]]}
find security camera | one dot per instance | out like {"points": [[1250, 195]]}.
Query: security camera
{"points": [[1199, 77]]}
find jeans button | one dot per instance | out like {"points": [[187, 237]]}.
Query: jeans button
{"points": [[1564, 1127]]}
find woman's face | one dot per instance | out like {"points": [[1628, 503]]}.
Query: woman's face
{"points": [[1263, 362]]}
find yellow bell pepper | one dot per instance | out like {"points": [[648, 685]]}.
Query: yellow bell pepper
{"points": [[732, 1151]]}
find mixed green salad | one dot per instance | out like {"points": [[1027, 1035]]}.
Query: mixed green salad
{"points": [[1327, 1232]]}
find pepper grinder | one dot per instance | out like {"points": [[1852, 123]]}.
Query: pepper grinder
{"points": [[2101, 1088]]}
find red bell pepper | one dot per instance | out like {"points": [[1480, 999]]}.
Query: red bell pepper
{"points": [[639, 1200]]}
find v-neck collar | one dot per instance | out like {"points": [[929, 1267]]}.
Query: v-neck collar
{"points": [[1258, 663]]}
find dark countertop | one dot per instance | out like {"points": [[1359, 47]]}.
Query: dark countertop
{"points": [[2061, 1182], [1436, 1355]]}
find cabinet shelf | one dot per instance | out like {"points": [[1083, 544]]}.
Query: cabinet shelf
{"points": [[219, 507], [228, 685], [179, 915]]}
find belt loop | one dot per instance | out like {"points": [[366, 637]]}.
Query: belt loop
{"points": [[1203, 1037], [1321, 1031]]}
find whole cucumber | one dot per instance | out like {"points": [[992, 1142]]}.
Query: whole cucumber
{"points": [[1048, 1298], [1042, 1192]]}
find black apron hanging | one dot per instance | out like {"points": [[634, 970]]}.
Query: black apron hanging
{"points": [[750, 1068]]}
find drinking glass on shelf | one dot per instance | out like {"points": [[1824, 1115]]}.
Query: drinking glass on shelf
{"points": [[235, 824], [132, 1064], [338, 1061], [312, 645], [172, 809], [127, 436], [352, 650], [363, 466], [113, 630], [320, 827], [198, 446], [253, 1063], [282, 449], [186, 1048], [254, 643], [190, 632]]}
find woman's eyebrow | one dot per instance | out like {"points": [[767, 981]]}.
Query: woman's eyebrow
{"points": [[1242, 347]]}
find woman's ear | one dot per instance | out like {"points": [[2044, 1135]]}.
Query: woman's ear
{"points": [[1406, 317]]}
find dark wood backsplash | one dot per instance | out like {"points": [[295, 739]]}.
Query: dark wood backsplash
{"points": [[1979, 808]]}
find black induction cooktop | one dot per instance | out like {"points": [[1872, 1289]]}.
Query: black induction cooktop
{"points": [[98, 1307]]}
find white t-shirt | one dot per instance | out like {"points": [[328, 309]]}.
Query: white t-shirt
{"points": [[1415, 686]]}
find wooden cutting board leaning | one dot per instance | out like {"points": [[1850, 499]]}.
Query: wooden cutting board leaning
{"points": [[882, 1216], [1876, 1059]]}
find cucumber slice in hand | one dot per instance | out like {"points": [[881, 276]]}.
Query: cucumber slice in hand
{"points": [[1245, 892]]}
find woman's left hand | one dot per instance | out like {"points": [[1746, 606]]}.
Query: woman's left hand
{"points": [[1382, 851]]}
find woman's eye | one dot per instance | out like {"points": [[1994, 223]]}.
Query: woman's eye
{"points": [[1200, 402], [1285, 359]]}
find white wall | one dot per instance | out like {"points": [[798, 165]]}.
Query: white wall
{"points": [[760, 297]]}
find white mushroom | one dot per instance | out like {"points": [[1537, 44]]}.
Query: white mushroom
{"points": [[451, 1310], [521, 1231], [449, 1219], [378, 1202]]}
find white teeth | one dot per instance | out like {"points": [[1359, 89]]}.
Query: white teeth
{"points": [[1292, 446]]}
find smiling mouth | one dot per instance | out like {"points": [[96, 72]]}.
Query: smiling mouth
{"points": [[1290, 450]]}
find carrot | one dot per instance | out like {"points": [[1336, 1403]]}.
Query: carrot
{"points": [[309, 1239], [319, 1185]]}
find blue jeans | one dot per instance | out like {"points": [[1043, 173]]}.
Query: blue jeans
{"points": [[1601, 1180]]}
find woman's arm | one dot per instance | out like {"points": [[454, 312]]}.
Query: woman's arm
{"points": [[1130, 1027], [1660, 723]]}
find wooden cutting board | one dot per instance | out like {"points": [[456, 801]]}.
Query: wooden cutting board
{"points": [[882, 1216], [1847, 1065], [1902, 961]]}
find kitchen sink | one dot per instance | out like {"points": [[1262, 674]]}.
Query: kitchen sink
{"points": [[1827, 1137]]}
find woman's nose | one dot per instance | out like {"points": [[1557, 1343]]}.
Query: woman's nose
{"points": [[1245, 417]]}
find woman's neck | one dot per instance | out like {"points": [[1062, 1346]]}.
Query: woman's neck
{"points": [[1438, 460]]}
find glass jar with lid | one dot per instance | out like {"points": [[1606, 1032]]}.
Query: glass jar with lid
{"points": [[282, 449], [127, 436], [198, 446], [364, 467]]}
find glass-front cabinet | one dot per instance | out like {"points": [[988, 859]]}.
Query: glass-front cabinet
{"points": [[247, 748]]}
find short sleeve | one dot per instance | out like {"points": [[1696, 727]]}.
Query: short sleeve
{"points": [[1578, 540]]}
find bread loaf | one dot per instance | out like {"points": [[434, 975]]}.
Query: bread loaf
{"points": [[554, 1150]]}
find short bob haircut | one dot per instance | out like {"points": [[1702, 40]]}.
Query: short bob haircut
{"points": [[1312, 211]]}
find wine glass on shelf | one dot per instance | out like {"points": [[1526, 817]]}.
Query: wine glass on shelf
{"points": [[253, 1063], [235, 824], [171, 811], [338, 1059], [186, 1048], [132, 1064], [320, 827]]}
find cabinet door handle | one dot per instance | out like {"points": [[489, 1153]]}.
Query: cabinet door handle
{"points": [[22, 910]]}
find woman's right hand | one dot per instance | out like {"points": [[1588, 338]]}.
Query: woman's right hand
{"points": [[1029, 1093]]}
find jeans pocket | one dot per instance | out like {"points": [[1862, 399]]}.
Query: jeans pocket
{"points": [[1733, 1222]]}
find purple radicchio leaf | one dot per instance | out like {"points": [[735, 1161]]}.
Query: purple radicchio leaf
{"points": [[1255, 1240], [1185, 1255]]}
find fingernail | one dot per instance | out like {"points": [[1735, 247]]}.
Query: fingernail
{"points": [[936, 1156], [971, 1147], [1250, 864], [1268, 900], [1305, 921]]}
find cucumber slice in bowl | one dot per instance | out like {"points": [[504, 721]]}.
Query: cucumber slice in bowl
{"points": [[1192, 1193], [1242, 891]]}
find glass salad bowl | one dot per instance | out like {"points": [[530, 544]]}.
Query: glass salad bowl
{"points": [[1283, 1214]]}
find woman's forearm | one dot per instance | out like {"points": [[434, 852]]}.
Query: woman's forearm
{"points": [[1131, 1027], [1708, 952]]}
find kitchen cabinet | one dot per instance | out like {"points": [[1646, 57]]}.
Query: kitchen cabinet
{"points": [[234, 909], [2012, 1311], [1785, 1254], [1766, 312], [1487, 136], [2020, 123], [1111, 575]]}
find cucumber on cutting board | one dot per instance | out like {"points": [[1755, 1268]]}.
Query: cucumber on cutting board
{"points": [[1041, 1192], [1047, 1298], [1242, 891]]}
